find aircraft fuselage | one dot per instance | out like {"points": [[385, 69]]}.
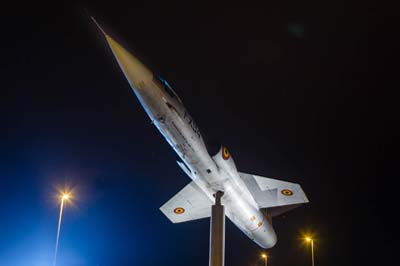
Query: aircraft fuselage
{"points": [[210, 173], [180, 130]]}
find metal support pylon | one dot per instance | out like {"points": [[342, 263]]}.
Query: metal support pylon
{"points": [[217, 232]]}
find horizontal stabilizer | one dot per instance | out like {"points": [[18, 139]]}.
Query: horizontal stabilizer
{"points": [[276, 195], [188, 204]]}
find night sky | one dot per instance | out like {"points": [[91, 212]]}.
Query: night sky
{"points": [[297, 90]]}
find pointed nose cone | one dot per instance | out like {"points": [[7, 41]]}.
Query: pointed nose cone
{"points": [[135, 71]]}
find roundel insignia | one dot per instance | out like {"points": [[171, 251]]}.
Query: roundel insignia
{"points": [[287, 192], [179, 210], [225, 153]]}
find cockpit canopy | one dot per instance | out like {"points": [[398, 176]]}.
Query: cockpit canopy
{"points": [[167, 88]]}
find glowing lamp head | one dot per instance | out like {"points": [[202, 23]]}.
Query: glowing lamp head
{"points": [[264, 255], [308, 239], [65, 196]]}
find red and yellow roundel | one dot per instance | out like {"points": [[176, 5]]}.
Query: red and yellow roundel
{"points": [[179, 210], [287, 192], [225, 153]]}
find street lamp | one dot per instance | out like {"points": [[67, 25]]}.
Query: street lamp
{"points": [[265, 257], [65, 197], [310, 240]]}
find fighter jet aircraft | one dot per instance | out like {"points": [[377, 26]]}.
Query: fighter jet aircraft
{"points": [[250, 201]]}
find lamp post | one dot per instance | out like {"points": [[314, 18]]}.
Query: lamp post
{"points": [[310, 240], [65, 197], [265, 257]]}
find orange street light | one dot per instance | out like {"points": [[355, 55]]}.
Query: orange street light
{"points": [[265, 257], [65, 197], [310, 240]]}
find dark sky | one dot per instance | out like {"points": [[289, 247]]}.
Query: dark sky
{"points": [[297, 90]]}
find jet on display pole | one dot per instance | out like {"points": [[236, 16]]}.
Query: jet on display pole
{"points": [[250, 201]]}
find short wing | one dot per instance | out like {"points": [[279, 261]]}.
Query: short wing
{"points": [[276, 195], [191, 203]]}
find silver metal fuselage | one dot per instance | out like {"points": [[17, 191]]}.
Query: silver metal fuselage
{"points": [[173, 121], [169, 115]]}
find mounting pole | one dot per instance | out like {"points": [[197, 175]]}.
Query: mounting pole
{"points": [[217, 232]]}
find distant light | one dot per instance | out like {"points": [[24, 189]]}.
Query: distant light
{"points": [[264, 255], [310, 240], [65, 196]]}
